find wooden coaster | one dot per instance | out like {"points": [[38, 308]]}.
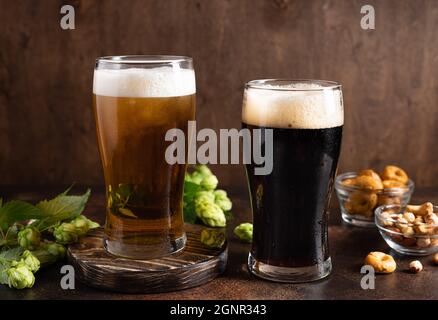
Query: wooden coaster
{"points": [[193, 266]]}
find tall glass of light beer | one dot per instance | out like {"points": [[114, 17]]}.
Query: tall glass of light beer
{"points": [[289, 205], [137, 99]]}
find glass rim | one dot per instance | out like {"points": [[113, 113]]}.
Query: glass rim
{"points": [[265, 84], [144, 59]]}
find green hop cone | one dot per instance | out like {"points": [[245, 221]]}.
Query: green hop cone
{"points": [[83, 225], [65, 233], [209, 182], [213, 238], [222, 200], [196, 177], [32, 263], [49, 252], [210, 214], [188, 177], [200, 173], [55, 249], [244, 231], [203, 170], [20, 276], [69, 232], [29, 238], [92, 224], [204, 196]]}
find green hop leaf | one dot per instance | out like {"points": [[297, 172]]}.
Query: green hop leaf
{"points": [[11, 254], [9, 238], [16, 210], [189, 212], [61, 208], [191, 188], [244, 232]]}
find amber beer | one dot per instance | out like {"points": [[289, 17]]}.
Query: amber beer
{"points": [[290, 241], [136, 101]]}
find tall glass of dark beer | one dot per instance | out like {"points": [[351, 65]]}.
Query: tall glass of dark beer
{"points": [[137, 99], [289, 205]]}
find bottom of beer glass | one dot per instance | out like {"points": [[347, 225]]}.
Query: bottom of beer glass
{"points": [[289, 274], [144, 252]]}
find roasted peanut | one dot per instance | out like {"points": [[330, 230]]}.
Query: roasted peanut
{"points": [[415, 266], [395, 234], [431, 218], [381, 262], [435, 258], [409, 216], [407, 231], [401, 223], [385, 219], [420, 210], [418, 220], [409, 242], [423, 242], [421, 228], [433, 242]]}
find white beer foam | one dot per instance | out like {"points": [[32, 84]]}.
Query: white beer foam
{"points": [[144, 83], [285, 108]]}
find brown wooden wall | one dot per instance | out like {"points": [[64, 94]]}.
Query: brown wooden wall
{"points": [[389, 75]]}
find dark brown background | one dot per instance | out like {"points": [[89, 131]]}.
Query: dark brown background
{"points": [[389, 75]]}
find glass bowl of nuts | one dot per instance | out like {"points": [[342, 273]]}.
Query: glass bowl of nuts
{"points": [[359, 194], [412, 230]]}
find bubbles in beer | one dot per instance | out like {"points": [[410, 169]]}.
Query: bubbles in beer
{"points": [[144, 83], [293, 105]]}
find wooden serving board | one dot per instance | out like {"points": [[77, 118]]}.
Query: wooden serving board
{"points": [[195, 265]]}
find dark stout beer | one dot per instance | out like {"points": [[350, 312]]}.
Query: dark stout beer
{"points": [[134, 108], [290, 241], [289, 204]]}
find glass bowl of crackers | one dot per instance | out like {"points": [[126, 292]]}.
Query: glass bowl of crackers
{"points": [[360, 193]]}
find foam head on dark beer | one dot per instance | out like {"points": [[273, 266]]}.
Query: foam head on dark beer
{"points": [[293, 106], [159, 82]]}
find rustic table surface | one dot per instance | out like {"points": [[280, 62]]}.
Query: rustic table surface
{"points": [[348, 246]]}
